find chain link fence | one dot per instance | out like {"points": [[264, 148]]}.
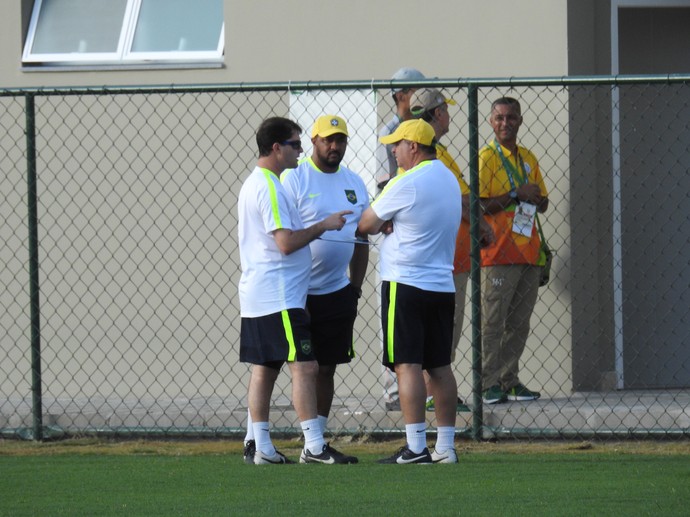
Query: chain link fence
{"points": [[119, 265]]}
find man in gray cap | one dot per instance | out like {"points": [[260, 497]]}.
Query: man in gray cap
{"points": [[386, 168], [385, 161]]}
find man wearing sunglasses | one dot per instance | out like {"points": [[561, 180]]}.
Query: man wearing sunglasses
{"points": [[319, 185], [276, 264]]}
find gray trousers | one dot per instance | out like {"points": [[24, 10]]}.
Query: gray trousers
{"points": [[460, 281], [509, 294]]}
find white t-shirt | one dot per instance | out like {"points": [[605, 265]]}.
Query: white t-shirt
{"points": [[425, 205], [318, 194], [270, 281]]}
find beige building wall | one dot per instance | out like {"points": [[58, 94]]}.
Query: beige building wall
{"points": [[314, 40], [269, 41]]}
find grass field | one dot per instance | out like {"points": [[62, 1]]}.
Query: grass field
{"points": [[99, 477]]}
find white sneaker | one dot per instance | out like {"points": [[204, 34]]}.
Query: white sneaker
{"points": [[264, 459], [447, 456]]}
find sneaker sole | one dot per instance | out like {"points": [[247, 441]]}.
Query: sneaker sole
{"points": [[267, 461], [445, 459], [521, 398]]}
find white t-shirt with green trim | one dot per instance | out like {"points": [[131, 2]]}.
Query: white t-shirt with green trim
{"points": [[318, 194], [425, 205], [270, 281]]}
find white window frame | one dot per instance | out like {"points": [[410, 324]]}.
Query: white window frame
{"points": [[123, 55]]}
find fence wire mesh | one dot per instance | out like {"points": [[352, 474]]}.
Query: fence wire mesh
{"points": [[138, 263]]}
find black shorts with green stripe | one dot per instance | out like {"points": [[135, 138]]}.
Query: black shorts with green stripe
{"points": [[278, 337], [417, 325]]}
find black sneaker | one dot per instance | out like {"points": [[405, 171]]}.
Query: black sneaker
{"points": [[405, 455], [393, 405], [249, 451], [328, 456]]}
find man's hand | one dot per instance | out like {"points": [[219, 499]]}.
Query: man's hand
{"points": [[386, 227], [530, 193], [336, 221], [486, 234]]}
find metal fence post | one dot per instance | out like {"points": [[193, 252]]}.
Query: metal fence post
{"points": [[32, 204], [473, 112]]}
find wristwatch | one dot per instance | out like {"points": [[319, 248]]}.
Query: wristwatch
{"points": [[513, 195]]}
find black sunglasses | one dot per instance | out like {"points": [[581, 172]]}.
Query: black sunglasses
{"points": [[295, 144]]}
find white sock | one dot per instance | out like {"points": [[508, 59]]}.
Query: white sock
{"points": [[323, 421], [262, 436], [416, 436], [250, 428], [313, 437], [445, 438]]}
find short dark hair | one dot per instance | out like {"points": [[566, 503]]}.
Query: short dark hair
{"points": [[272, 130], [428, 149], [507, 101]]}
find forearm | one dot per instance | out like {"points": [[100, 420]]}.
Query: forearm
{"points": [[289, 241], [369, 224], [358, 264], [466, 208], [493, 205]]}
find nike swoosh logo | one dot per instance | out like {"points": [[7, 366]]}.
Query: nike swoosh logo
{"points": [[329, 461], [403, 461], [280, 460], [311, 196]]}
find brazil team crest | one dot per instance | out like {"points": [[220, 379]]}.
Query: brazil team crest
{"points": [[305, 344], [351, 196]]}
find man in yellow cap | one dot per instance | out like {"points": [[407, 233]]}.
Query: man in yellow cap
{"points": [[419, 214], [387, 168], [317, 186]]}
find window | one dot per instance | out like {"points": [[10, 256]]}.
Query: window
{"points": [[125, 31]]}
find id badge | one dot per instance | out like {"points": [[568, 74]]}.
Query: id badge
{"points": [[523, 222]]}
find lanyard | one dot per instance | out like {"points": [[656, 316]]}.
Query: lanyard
{"points": [[511, 169]]}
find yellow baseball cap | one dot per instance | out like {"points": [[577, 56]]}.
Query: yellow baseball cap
{"points": [[328, 125], [416, 130]]}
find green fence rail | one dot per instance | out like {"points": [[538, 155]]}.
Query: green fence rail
{"points": [[119, 263]]}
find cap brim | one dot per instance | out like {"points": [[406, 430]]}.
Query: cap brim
{"points": [[389, 139], [326, 134]]}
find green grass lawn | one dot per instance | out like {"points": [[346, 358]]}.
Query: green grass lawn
{"points": [[68, 479]]}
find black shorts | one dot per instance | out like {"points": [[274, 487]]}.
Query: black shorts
{"points": [[332, 320], [277, 337], [417, 325]]}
